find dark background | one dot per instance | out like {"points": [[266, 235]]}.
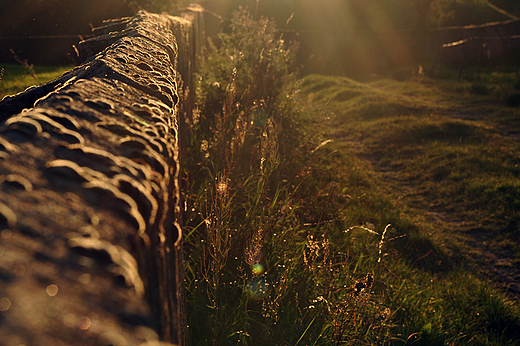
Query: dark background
{"points": [[44, 31]]}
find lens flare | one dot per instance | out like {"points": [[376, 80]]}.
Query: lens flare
{"points": [[258, 269], [257, 288]]}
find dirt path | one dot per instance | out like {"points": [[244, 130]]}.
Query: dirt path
{"points": [[454, 233]]}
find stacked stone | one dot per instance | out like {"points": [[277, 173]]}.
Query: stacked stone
{"points": [[90, 236]]}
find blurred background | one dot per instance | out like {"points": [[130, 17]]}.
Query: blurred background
{"points": [[341, 37]]}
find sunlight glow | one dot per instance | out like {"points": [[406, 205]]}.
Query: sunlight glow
{"points": [[353, 35]]}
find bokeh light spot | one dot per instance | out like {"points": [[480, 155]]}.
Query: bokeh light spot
{"points": [[258, 269], [5, 304], [6, 233], [257, 288], [52, 290], [84, 323]]}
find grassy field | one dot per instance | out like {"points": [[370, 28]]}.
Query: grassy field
{"points": [[16, 78], [439, 160], [390, 216], [376, 213], [438, 146]]}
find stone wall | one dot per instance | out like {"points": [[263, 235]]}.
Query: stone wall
{"points": [[90, 235]]}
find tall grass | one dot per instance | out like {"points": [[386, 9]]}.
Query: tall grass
{"points": [[263, 267]]}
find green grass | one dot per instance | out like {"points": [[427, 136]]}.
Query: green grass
{"points": [[270, 257], [349, 213], [414, 155], [16, 78], [435, 159], [451, 145]]}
